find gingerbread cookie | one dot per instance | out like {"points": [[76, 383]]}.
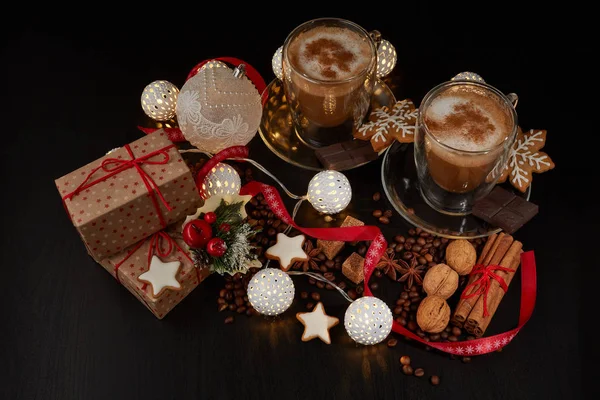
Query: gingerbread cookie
{"points": [[386, 124], [317, 324], [287, 250], [525, 158], [161, 276]]}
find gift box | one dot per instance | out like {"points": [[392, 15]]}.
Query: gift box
{"points": [[159, 271], [129, 194]]}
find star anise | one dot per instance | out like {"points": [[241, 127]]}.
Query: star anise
{"points": [[389, 265], [412, 273], [312, 262]]}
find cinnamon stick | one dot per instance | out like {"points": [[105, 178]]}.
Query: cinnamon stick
{"points": [[476, 322], [494, 250]]}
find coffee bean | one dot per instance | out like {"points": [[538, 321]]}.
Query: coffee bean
{"points": [[411, 240], [414, 307], [384, 220], [310, 305], [377, 213], [304, 295], [239, 292], [401, 321], [412, 232], [444, 240], [452, 338], [392, 342], [399, 239], [466, 359], [253, 201], [397, 310], [229, 320], [352, 294], [328, 286], [239, 301], [437, 242], [422, 260], [390, 250], [413, 293], [342, 285], [404, 296], [320, 285], [470, 337], [359, 289], [399, 302], [269, 222], [407, 246], [412, 325], [388, 213], [377, 273], [221, 300], [241, 310], [399, 247], [250, 311], [222, 293], [376, 196], [374, 285], [223, 307], [419, 372], [405, 360], [362, 250], [435, 380], [322, 257], [407, 370], [421, 241], [456, 331], [432, 264], [312, 281], [329, 263], [329, 276], [420, 333], [448, 329], [323, 268], [265, 241], [228, 296], [424, 251], [444, 335], [407, 255], [315, 296], [416, 248], [276, 223], [428, 258], [271, 232], [428, 246], [435, 337]]}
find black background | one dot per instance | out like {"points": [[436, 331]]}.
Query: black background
{"points": [[71, 85]]}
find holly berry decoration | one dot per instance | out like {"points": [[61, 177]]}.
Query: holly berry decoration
{"points": [[225, 227], [216, 247], [210, 217], [197, 233]]}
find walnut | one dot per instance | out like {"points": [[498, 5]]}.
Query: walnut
{"points": [[461, 256], [433, 314], [440, 280]]}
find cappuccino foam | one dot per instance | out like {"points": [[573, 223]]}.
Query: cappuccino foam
{"points": [[330, 53], [466, 118]]}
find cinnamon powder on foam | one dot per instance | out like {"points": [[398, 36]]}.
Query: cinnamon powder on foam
{"points": [[329, 53], [468, 120]]}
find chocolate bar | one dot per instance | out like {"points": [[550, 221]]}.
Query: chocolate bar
{"points": [[345, 155], [505, 209]]}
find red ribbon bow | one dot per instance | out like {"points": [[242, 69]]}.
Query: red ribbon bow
{"points": [[482, 284], [114, 166]]}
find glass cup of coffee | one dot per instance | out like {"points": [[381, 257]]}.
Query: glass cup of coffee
{"points": [[329, 69], [464, 134]]}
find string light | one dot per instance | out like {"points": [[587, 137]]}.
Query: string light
{"points": [[271, 291], [222, 179], [277, 63], [386, 58], [368, 320], [159, 100], [329, 192], [468, 76]]}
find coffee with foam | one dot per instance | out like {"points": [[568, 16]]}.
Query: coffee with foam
{"points": [[330, 53], [472, 123]]}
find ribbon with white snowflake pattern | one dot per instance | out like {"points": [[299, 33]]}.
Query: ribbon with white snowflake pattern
{"points": [[374, 253]]}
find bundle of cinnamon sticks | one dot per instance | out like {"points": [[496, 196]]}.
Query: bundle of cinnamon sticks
{"points": [[500, 249]]}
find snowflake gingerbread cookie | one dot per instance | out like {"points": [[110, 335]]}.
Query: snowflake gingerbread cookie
{"points": [[387, 124], [525, 158]]}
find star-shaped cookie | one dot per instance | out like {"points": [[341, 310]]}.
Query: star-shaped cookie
{"points": [[161, 276], [287, 250], [317, 324]]}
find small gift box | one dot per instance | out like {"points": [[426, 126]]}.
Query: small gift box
{"points": [[129, 194], [159, 271]]}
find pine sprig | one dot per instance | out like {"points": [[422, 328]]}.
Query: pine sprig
{"points": [[229, 213]]}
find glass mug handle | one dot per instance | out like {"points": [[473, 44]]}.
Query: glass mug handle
{"points": [[513, 98]]}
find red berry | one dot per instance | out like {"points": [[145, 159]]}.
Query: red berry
{"points": [[216, 247], [210, 217], [224, 227], [197, 233]]}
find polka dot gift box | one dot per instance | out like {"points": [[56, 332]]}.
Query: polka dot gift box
{"points": [[129, 194]]}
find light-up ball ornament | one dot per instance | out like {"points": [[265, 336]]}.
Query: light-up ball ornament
{"points": [[329, 192], [271, 291], [368, 320], [159, 100], [277, 63], [386, 58], [218, 108], [468, 76], [222, 179]]}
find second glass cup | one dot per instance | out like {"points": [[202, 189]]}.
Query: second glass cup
{"points": [[328, 74]]}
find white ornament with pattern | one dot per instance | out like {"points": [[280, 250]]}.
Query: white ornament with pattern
{"points": [[386, 58], [329, 192], [222, 179], [277, 63], [218, 108], [271, 291], [368, 320], [159, 100]]}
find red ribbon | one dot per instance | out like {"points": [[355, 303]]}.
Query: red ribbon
{"points": [[114, 166], [482, 284], [155, 248], [378, 247], [175, 134]]}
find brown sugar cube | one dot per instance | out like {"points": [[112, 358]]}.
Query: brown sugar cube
{"points": [[331, 248], [353, 268]]}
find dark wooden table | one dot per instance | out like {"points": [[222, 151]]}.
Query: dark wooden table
{"points": [[71, 91]]}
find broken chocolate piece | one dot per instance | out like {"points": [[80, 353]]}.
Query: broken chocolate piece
{"points": [[505, 210], [353, 268], [345, 155]]}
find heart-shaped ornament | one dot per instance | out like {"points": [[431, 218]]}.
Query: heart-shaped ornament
{"points": [[216, 109]]}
